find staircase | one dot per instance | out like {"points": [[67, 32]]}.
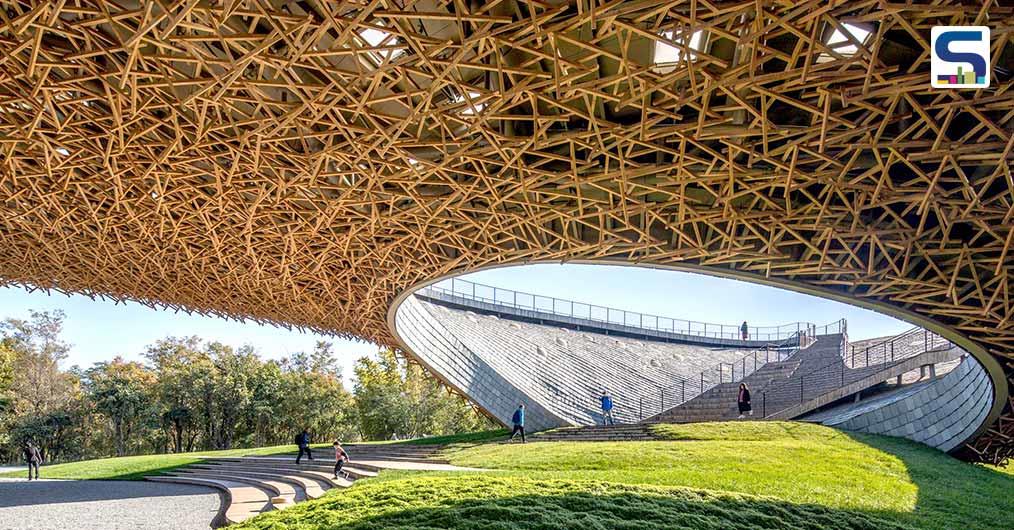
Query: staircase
{"points": [[256, 484], [719, 402], [813, 377], [597, 433]]}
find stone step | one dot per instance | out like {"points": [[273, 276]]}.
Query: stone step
{"points": [[322, 475], [283, 494], [353, 468], [310, 488]]}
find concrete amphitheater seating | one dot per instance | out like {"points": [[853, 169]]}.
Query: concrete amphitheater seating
{"points": [[560, 370], [253, 485]]}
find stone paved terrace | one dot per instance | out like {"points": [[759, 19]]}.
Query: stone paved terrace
{"points": [[105, 505]]}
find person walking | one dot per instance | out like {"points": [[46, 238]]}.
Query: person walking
{"points": [[34, 457], [340, 457], [607, 408], [743, 401], [745, 331], [303, 441], [519, 423]]}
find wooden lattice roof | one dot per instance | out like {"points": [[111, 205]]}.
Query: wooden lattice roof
{"points": [[302, 163]]}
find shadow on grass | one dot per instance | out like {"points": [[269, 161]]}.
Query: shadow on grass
{"points": [[513, 503], [951, 493]]}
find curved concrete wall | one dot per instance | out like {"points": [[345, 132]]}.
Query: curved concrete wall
{"points": [[490, 388], [559, 373], [944, 413]]}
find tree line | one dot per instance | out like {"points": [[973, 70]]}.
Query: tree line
{"points": [[188, 395]]}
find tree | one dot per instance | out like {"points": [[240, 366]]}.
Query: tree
{"points": [[6, 379], [315, 397], [382, 406], [174, 361], [231, 392], [38, 385], [398, 398], [122, 392]]}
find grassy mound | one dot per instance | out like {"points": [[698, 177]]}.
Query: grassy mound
{"points": [[514, 503], [138, 467], [710, 475], [713, 475]]}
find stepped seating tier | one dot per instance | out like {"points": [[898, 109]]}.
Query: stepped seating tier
{"points": [[560, 372], [256, 484]]}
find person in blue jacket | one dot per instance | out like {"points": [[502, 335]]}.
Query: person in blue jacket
{"points": [[607, 408], [519, 423]]}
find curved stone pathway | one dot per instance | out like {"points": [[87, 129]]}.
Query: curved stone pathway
{"points": [[104, 505]]}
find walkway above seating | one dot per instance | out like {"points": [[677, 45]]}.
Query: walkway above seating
{"points": [[529, 307]]}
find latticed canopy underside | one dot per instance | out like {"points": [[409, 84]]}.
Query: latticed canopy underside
{"points": [[302, 163]]}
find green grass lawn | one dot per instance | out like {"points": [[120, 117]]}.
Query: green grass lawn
{"points": [[137, 467], [717, 475]]}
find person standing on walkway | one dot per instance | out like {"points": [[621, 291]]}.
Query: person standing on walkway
{"points": [[519, 423], [745, 331], [34, 457], [340, 457], [607, 408], [743, 401], [303, 441]]}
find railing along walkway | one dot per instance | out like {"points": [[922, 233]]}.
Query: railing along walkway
{"points": [[855, 370], [471, 294]]}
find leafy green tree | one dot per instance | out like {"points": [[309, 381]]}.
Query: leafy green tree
{"points": [[383, 407], [315, 397], [122, 392], [38, 384], [232, 389], [174, 361], [395, 398], [6, 379]]}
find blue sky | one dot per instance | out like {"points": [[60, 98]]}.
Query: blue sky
{"points": [[100, 330]]}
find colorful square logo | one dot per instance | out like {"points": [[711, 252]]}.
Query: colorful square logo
{"points": [[959, 57]]}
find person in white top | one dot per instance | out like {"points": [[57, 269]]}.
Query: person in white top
{"points": [[340, 457]]}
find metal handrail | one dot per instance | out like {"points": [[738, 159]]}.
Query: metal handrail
{"points": [[609, 315], [799, 341], [882, 353]]}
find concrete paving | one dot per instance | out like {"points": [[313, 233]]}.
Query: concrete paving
{"points": [[104, 505]]}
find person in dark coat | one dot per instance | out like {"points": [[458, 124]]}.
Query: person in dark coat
{"points": [[303, 441], [519, 423], [34, 457], [745, 331], [743, 400]]}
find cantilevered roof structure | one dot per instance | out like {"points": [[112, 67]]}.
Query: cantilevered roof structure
{"points": [[306, 163]]}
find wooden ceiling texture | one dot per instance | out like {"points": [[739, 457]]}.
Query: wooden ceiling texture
{"points": [[302, 163]]}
